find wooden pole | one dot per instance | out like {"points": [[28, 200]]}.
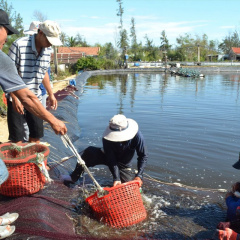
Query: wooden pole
{"points": [[55, 59], [198, 47]]}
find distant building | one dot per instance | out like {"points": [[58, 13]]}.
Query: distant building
{"points": [[68, 58], [234, 54], [87, 51], [70, 55]]}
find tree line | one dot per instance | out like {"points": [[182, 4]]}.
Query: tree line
{"points": [[185, 49]]}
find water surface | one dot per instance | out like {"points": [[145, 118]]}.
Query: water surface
{"points": [[191, 126], [191, 129]]}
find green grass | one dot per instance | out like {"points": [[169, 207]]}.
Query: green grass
{"points": [[3, 107]]}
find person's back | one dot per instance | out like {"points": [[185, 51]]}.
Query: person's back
{"points": [[8, 70], [230, 228], [122, 153], [232, 203]]}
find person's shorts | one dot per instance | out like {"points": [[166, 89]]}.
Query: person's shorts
{"points": [[93, 156], [16, 124], [3, 172]]}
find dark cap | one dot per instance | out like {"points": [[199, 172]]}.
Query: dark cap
{"points": [[4, 21], [237, 164]]}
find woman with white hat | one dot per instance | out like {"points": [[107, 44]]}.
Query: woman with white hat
{"points": [[121, 140]]}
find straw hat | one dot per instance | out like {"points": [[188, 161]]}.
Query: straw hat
{"points": [[120, 129]]}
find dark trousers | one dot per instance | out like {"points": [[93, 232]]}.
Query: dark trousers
{"points": [[93, 156], [16, 124]]}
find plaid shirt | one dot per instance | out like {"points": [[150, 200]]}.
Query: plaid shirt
{"points": [[31, 66]]}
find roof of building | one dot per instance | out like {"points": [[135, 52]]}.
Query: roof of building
{"points": [[236, 50], [89, 51]]}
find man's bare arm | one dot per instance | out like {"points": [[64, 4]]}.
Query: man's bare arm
{"points": [[33, 105]]}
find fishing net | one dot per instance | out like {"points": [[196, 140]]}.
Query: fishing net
{"points": [[43, 215]]}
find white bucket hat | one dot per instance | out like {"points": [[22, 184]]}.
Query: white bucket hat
{"points": [[52, 32], [120, 129], [33, 28]]}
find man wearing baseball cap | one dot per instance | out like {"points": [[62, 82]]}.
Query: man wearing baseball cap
{"points": [[11, 82], [32, 55], [51, 31], [4, 21]]}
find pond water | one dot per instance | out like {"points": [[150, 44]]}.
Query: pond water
{"points": [[191, 126], [191, 129]]}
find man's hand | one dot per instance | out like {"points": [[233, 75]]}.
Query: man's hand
{"points": [[59, 127], [53, 102], [115, 183], [17, 105], [139, 180]]}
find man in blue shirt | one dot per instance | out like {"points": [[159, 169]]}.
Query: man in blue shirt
{"points": [[230, 229], [10, 81], [121, 140], [233, 202]]}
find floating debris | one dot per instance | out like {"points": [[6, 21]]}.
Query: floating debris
{"points": [[186, 72]]}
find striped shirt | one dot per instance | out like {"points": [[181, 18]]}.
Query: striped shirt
{"points": [[31, 66]]}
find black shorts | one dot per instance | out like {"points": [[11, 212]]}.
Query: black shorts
{"points": [[16, 121], [93, 156]]}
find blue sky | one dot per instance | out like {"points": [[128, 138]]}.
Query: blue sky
{"points": [[96, 20]]}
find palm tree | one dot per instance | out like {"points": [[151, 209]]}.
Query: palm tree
{"points": [[64, 38], [71, 42]]}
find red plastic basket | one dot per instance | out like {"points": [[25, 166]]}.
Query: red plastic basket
{"points": [[25, 177], [121, 207]]}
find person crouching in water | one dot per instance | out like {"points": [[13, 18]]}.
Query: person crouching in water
{"points": [[120, 140]]}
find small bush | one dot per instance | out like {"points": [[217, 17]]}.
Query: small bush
{"points": [[3, 107]]}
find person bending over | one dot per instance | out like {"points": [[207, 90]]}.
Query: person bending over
{"points": [[121, 139]]}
